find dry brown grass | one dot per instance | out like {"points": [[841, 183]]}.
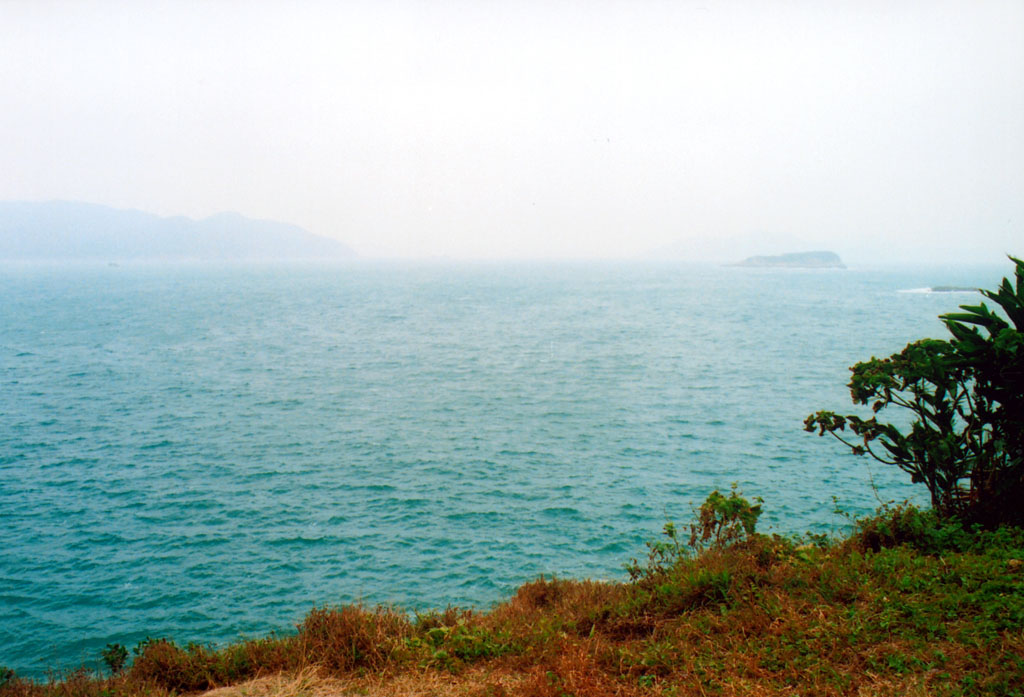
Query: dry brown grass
{"points": [[760, 618], [342, 639], [310, 682], [574, 673]]}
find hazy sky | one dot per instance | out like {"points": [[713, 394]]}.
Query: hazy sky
{"points": [[534, 129]]}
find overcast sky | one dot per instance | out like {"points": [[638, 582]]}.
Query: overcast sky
{"points": [[528, 129]]}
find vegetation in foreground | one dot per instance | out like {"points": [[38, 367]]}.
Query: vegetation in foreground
{"points": [[908, 604], [965, 399]]}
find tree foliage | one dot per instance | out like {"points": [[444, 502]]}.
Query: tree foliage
{"points": [[965, 399]]}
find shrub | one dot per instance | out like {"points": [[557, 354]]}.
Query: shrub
{"points": [[189, 669], [6, 676], [965, 397], [115, 656], [721, 521], [351, 637], [908, 525], [925, 531], [162, 662]]}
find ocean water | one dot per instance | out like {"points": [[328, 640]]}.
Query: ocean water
{"points": [[205, 452]]}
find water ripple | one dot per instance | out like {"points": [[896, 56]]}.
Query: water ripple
{"points": [[203, 452]]}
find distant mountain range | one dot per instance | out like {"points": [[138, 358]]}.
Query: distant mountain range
{"points": [[66, 230]]}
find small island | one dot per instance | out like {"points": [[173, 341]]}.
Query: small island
{"points": [[953, 289], [795, 260]]}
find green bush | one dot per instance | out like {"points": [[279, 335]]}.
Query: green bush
{"points": [[721, 521], [965, 397], [115, 656], [925, 531]]}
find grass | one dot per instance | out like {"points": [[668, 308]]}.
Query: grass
{"points": [[905, 605]]}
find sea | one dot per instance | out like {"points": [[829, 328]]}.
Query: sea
{"points": [[205, 452]]}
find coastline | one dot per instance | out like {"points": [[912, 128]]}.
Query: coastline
{"points": [[907, 604]]}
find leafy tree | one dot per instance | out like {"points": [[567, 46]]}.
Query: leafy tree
{"points": [[965, 397]]}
